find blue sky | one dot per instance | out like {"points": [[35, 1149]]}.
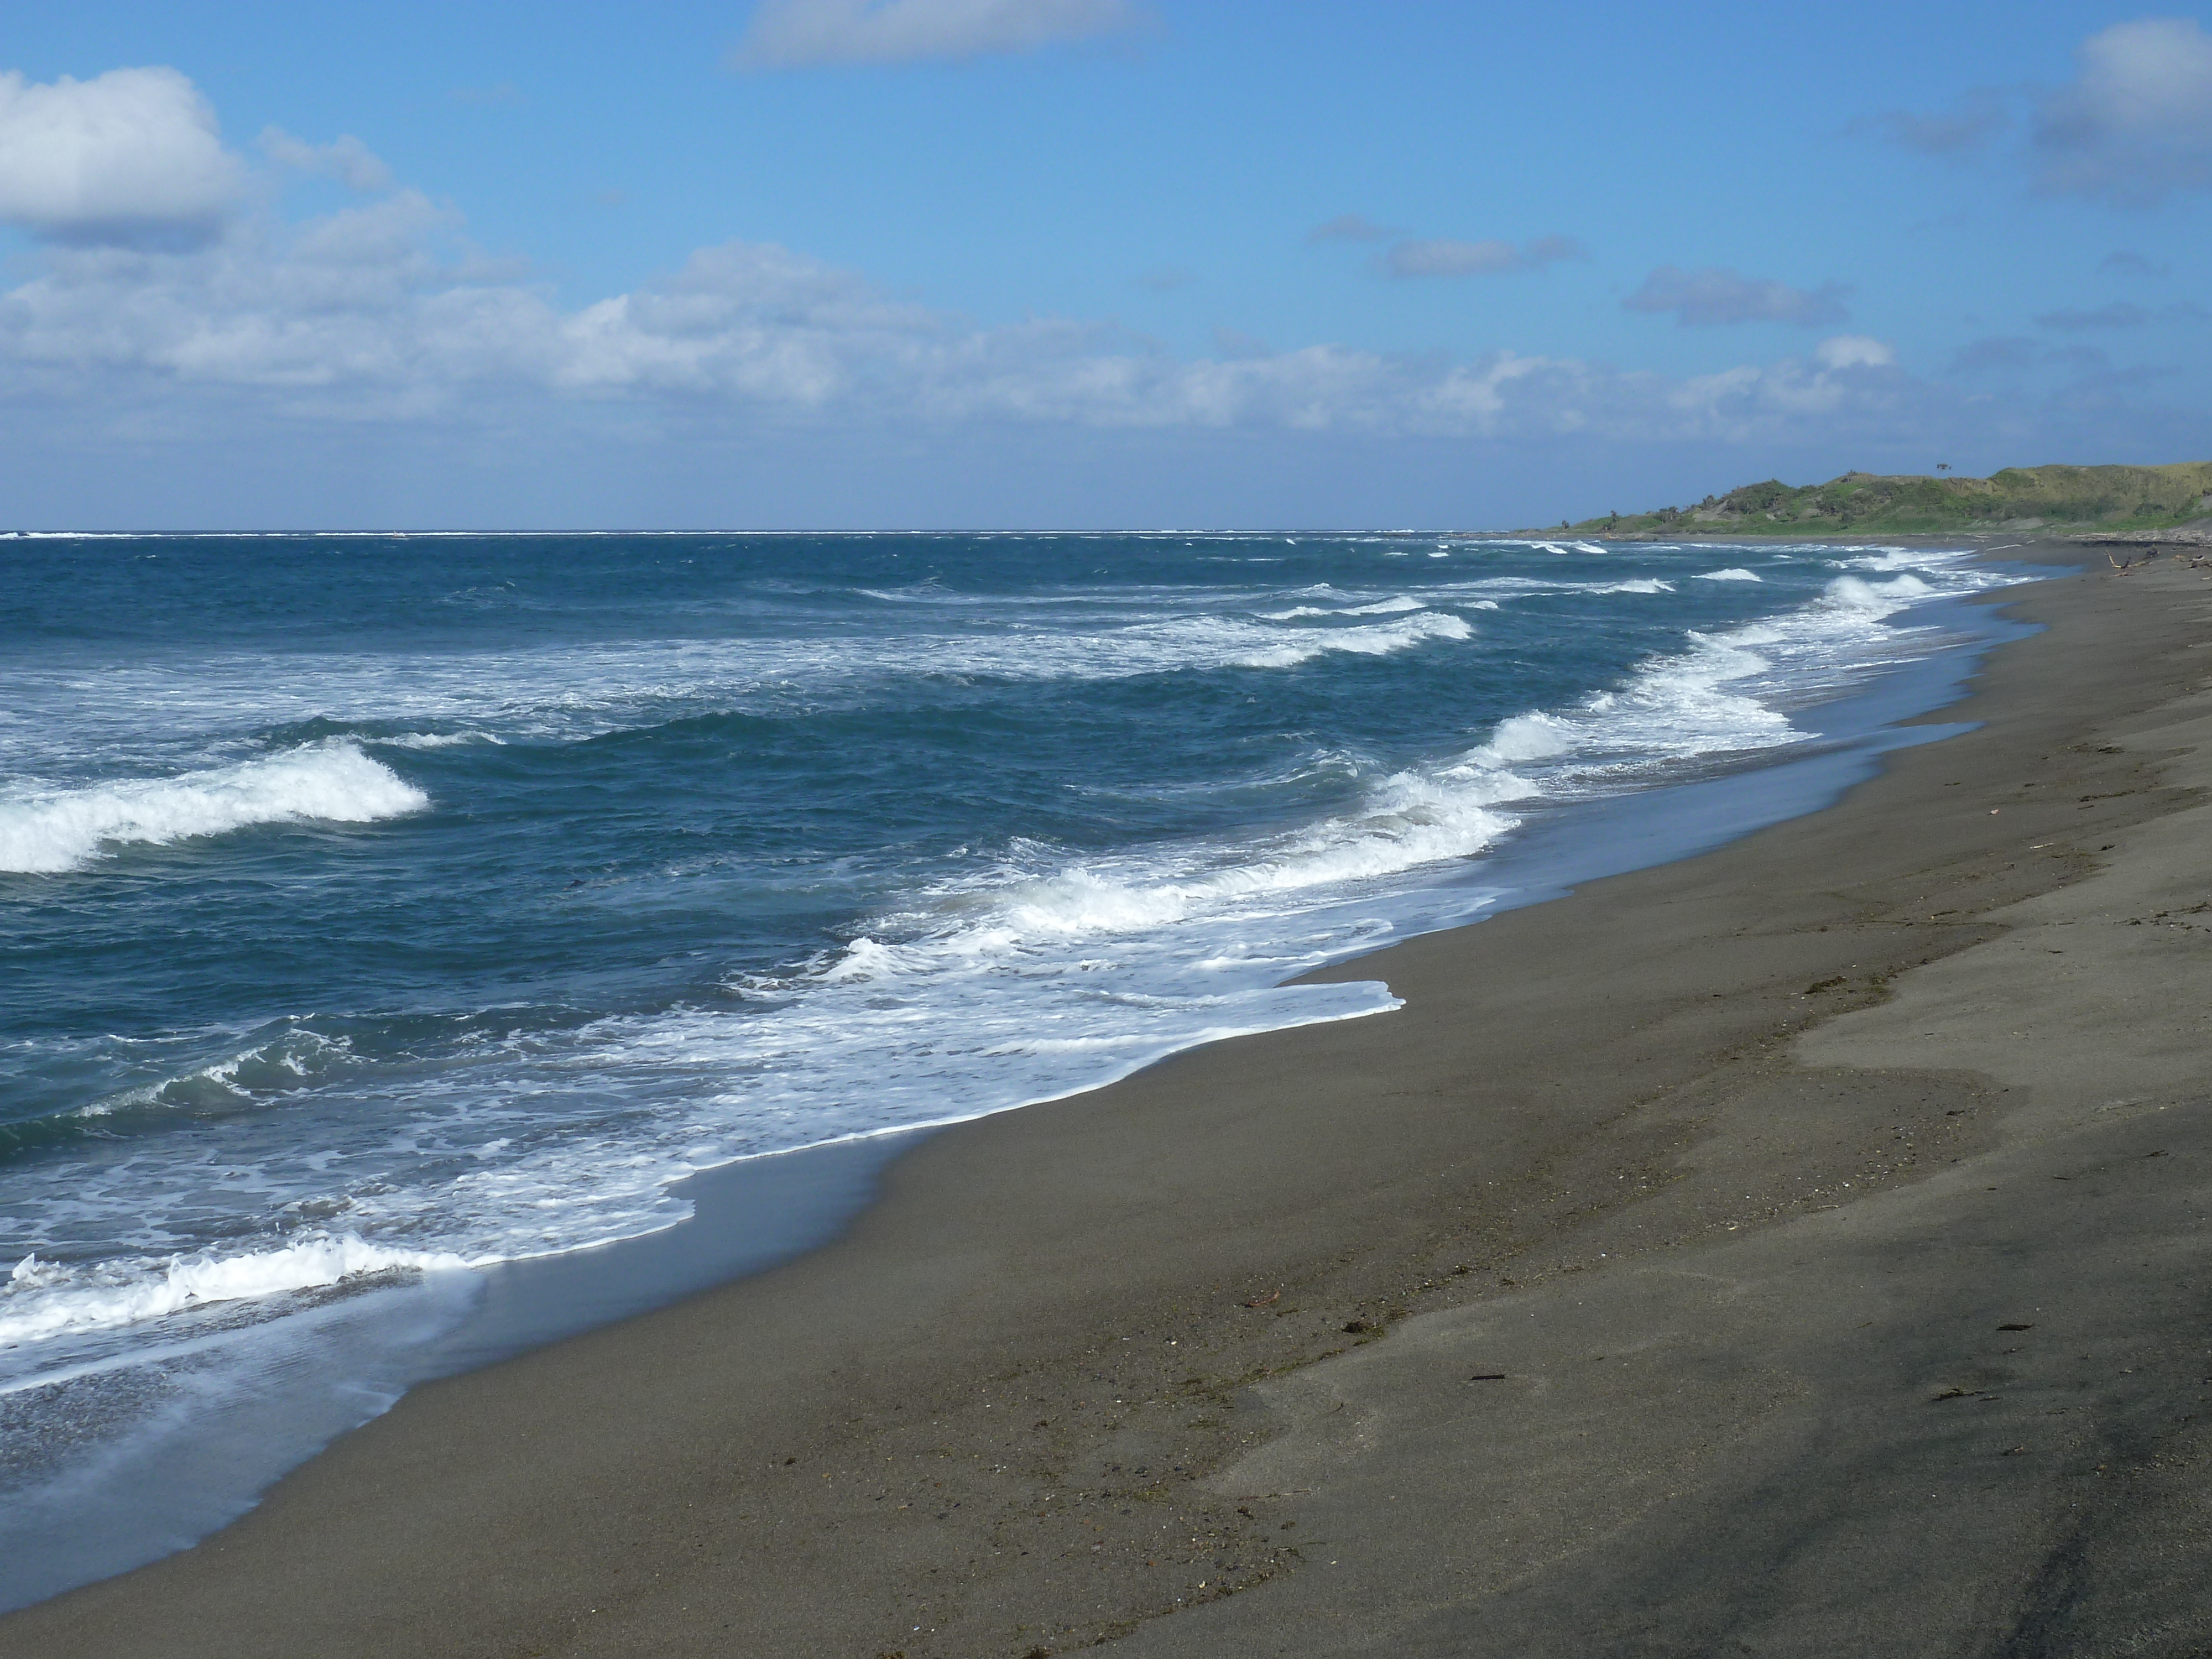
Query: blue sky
{"points": [[1080, 262]]}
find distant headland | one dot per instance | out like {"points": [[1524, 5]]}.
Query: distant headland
{"points": [[2094, 503]]}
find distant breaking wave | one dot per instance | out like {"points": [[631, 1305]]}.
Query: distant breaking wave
{"points": [[1090, 944], [333, 783]]}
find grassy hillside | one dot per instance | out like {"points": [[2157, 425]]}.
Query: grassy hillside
{"points": [[2044, 498]]}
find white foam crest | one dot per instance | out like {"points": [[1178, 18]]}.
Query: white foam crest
{"points": [[1372, 642], [1874, 599], [1674, 709], [1379, 608], [1408, 819], [1721, 695], [1521, 585], [333, 781], [574, 691], [291, 1061], [437, 739], [928, 592], [44, 1299], [888, 1033], [864, 959], [1524, 738], [1734, 573], [1902, 558]]}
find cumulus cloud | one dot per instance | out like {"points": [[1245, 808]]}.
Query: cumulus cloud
{"points": [[1855, 351], [1718, 295], [372, 313], [1442, 257], [2135, 124], [345, 159], [793, 34], [131, 158], [382, 312], [2132, 127], [1351, 228], [1848, 382]]}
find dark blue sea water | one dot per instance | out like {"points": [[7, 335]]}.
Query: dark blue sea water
{"points": [[378, 909]]}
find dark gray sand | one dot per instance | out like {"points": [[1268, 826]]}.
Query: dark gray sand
{"points": [[1800, 1250]]}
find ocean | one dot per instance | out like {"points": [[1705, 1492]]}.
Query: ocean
{"points": [[378, 910]]}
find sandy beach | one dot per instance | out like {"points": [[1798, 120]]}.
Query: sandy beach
{"points": [[1794, 1249]]}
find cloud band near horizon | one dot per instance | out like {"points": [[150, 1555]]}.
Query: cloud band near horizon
{"points": [[167, 294]]}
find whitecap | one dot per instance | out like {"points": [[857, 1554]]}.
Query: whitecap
{"points": [[45, 1299], [333, 781], [436, 739], [1372, 642], [1389, 607]]}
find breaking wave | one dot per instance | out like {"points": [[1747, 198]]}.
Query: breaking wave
{"points": [[44, 1299], [331, 782]]}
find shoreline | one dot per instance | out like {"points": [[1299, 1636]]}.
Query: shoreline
{"points": [[1335, 1174], [353, 1358]]}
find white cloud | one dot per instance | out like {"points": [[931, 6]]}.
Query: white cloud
{"points": [[1442, 257], [371, 314], [2135, 123], [1718, 295], [345, 159], [1850, 383], [790, 34], [132, 157], [382, 312], [1855, 351]]}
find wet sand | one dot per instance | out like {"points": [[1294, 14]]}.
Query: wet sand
{"points": [[1797, 1250]]}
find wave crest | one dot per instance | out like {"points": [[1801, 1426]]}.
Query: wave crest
{"points": [[331, 781], [42, 1299]]}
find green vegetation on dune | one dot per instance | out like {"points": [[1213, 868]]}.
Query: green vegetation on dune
{"points": [[2103, 499]]}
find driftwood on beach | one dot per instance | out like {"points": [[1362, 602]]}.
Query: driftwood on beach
{"points": [[2198, 533]]}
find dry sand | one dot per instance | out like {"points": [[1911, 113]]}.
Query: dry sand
{"points": [[1799, 1249]]}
